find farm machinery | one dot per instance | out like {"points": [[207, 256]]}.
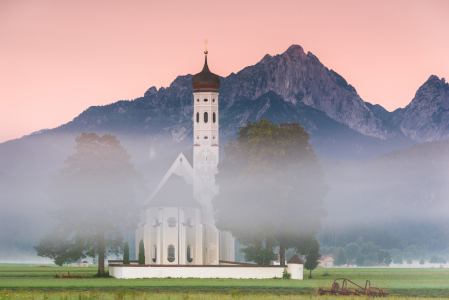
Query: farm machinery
{"points": [[355, 289]]}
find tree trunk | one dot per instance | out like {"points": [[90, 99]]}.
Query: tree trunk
{"points": [[268, 248], [281, 254], [310, 276], [101, 254]]}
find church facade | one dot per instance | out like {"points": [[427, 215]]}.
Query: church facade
{"points": [[178, 226]]}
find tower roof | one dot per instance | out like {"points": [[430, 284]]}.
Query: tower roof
{"points": [[295, 260], [205, 80]]}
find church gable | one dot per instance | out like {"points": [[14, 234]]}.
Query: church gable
{"points": [[181, 168]]}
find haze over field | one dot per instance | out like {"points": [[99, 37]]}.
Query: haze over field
{"points": [[387, 167]]}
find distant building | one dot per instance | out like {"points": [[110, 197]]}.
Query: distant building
{"points": [[83, 264], [326, 260]]}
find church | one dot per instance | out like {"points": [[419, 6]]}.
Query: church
{"points": [[178, 226]]}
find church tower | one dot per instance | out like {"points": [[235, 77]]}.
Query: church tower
{"points": [[205, 162]]}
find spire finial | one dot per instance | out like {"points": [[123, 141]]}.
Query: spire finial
{"points": [[205, 43]]}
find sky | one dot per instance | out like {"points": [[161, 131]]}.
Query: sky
{"points": [[57, 58]]}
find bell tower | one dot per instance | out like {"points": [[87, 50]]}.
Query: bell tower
{"points": [[205, 158]]}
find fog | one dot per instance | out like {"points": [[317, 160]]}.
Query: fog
{"points": [[396, 200]]}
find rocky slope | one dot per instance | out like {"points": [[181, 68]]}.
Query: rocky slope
{"points": [[426, 118], [301, 78]]}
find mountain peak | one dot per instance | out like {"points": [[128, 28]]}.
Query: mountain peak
{"points": [[295, 50]]}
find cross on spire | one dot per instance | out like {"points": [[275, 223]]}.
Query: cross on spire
{"points": [[205, 44]]}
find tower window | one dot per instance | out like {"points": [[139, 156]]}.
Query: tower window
{"points": [[171, 253], [197, 137], [197, 100], [180, 159], [189, 253], [154, 253], [197, 117], [213, 100], [205, 137], [171, 222], [206, 117], [206, 100], [214, 118]]}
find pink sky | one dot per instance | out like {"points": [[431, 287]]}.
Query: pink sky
{"points": [[57, 58]]}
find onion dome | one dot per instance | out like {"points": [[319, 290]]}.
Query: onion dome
{"points": [[205, 80]]}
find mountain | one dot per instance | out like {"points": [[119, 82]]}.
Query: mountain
{"points": [[426, 118], [382, 112], [301, 78]]}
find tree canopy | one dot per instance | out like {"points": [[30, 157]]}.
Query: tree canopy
{"points": [[271, 187], [94, 199]]}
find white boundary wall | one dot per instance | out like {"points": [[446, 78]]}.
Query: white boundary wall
{"points": [[238, 272]]}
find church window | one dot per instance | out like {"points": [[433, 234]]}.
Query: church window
{"points": [[213, 100], [189, 253], [214, 118], [197, 100], [206, 117], [171, 253], [171, 222], [154, 253], [180, 159], [206, 100], [213, 138], [205, 137], [189, 222], [197, 137], [197, 117]]}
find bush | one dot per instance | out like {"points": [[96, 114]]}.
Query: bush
{"points": [[286, 274], [368, 263]]}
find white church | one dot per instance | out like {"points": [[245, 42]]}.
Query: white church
{"points": [[178, 225]]}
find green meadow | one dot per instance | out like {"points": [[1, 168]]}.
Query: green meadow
{"points": [[39, 282]]}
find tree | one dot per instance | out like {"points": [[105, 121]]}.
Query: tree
{"points": [[126, 254], [385, 257], [141, 253], [94, 199], [272, 175], [351, 250], [433, 259], [422, 261], [409, 261], [360, 259], [259, 253], [441, 260], [398, 260], [368, 263], [339, 257], [312, 257]]}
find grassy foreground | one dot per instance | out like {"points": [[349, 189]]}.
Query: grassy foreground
{"points": [[5, 294], [37, 282]]}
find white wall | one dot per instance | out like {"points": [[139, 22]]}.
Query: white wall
{"points": [[130, 272]]}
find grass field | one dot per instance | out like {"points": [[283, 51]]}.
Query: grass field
{"points": [[35, 282]]}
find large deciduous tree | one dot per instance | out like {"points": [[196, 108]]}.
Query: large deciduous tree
{"points": [[94, 199], [271, 187]]}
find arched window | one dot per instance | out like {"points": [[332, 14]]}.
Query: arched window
{"points": [[154, 253], [213, 100], [171, 253], [214, 118], [197, 100], [206, 117], [197, 117], [189, 253]]}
